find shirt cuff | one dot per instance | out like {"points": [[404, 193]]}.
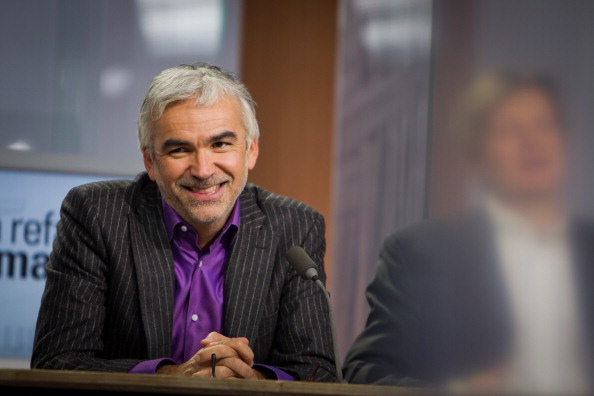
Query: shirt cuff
{"points": [[149, 366], [275, 373]]}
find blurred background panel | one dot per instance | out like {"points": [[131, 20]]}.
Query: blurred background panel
{"points": [[380, 149], [29, 211], [73, 76], [74, 73]]}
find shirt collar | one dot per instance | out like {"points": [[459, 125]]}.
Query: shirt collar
{"points": [[505, 220], [172, 219]]}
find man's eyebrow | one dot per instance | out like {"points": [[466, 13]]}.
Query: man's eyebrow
{"points": [[173, 143], [169, 143], [221, 136]]}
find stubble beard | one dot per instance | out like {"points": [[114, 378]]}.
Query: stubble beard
{"points": [[197, 212]]}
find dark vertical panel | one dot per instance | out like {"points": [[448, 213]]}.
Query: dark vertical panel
{"points": [[380, 141], [453, 62]]}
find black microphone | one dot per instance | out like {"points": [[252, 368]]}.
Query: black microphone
{"points": [[307, 269]]}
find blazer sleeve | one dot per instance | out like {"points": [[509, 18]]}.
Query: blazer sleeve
{"points": [[303, 345], [385, 352], [72, 313]]}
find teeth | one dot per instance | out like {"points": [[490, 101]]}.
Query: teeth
{"points": [[207, 190]]}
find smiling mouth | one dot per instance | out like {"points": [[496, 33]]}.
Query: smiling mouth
{"points": [[209, 190]]}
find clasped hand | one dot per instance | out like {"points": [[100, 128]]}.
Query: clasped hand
{"points": [[234, 359]]}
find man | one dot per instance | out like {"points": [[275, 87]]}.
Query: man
{"points": [[187, 261], [497, 298]]}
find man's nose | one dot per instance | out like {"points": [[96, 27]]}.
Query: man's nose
{"points": [[537, 136], [202, 165]]}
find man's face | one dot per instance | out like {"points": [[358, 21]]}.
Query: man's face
{"points": [[522, 150], [201, 160]]}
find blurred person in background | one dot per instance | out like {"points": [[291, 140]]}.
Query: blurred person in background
{"points": [[499, 297]]}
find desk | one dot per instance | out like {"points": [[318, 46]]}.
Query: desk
{"points": [[43, 382]]}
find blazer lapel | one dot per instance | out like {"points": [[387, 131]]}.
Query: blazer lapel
{"points": [[479, 323], [248, 273], [153, 262]]}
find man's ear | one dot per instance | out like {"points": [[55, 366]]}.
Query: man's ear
{"points": [[149, 164], [252, 154]]}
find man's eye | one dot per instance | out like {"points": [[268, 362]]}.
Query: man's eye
{"points": [[178, 150], [220, 144]]}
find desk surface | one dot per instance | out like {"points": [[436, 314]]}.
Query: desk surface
{"points": [[24, 381]]}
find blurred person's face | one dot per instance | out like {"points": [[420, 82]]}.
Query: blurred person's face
{"points": [[201, 160], [521, 154]]}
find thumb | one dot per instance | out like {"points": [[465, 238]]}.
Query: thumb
{"points": [[213, 337]]}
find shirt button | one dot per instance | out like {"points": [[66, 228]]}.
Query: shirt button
{"points": [[184, 228], [194, 318]]}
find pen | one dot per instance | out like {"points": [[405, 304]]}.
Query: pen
{"points": [[213, 361], [312, 376]]}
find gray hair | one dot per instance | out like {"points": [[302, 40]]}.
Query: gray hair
{"points": [[206, 83]]}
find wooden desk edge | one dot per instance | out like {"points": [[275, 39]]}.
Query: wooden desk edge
{"points": [[102, 381]]}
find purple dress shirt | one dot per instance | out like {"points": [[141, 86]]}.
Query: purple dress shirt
{"points": [[199, 281]]}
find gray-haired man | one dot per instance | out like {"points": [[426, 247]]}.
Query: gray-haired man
{"points": [[157, 274]]}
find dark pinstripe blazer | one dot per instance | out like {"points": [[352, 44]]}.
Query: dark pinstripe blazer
{"points": [[108, 299], [439, 309]]}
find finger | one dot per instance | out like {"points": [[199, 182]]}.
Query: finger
{"points": [[213, 337], [220, 372], [243, 350], [205, 343], [222, 351], [226, 349], [238, 366], [239, 370]]}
